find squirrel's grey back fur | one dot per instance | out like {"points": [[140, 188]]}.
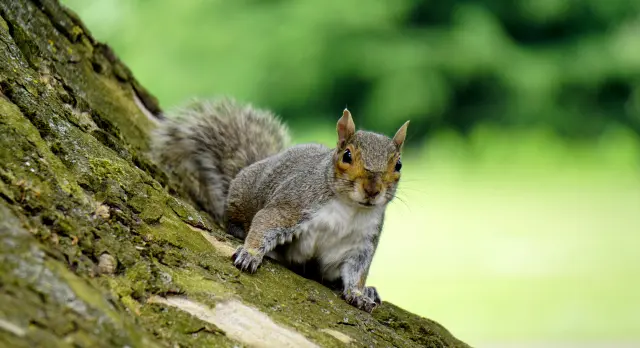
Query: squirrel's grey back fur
{"points": [[303, 184], [206, 143]]}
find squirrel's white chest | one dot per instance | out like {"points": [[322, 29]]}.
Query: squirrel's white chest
{"points": [[332, 234]]}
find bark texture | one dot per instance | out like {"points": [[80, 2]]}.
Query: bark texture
{"points": [[97, 250]]}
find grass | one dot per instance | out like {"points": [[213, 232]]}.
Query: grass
{"points": [[516, 237]]}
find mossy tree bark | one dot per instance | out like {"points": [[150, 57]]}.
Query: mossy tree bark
{"points": [[96, 251]]}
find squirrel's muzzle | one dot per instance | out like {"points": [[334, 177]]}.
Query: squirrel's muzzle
{"points": [[372, 186]]}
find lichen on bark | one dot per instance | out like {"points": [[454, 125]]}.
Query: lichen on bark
{"points": [[91, 230]]}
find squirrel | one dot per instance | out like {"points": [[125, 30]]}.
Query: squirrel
{"points": [[295, 204]]}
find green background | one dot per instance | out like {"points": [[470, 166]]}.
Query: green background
{"points": [[518, 212]]}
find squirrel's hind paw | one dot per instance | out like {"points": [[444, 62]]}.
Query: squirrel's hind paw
{"points": [[245, 260], [366, 301], [372, 293]]}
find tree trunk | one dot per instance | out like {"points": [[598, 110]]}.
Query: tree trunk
{"points": [[95, 251]]}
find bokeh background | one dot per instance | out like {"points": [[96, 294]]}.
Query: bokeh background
{"points": [[518, 218]]}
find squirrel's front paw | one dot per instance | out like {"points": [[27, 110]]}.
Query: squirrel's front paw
{"points": [[246, 260], [366, 301]]}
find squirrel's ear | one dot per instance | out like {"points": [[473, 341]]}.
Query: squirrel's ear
{"points": [[401, 134], [345, 127]]}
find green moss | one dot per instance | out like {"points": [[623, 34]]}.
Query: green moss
{"points": [[104, 168], [132, 305], [120, 286], [3, 24], [152, 214], [21, 140], [84, 291], [180, 209], [139, 278], [172, 325], [188, 214], [50, 303], [172, 230], [148, 202], [194, 281], [76, 31], [6, 193]]}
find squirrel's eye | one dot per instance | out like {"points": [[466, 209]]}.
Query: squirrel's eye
{"points": [[346, 157], [398, 165]]}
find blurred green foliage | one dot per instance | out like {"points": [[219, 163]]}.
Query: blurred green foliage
{"points": [[572, 67]]}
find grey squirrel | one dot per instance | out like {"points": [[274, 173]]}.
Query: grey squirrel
{"points": [[291, 203]]}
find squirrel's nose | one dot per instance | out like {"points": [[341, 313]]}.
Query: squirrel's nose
{"points": [[371, 192], [372, 187]]}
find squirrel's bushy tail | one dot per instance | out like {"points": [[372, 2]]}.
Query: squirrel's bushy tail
{"points": [[206, 143]]}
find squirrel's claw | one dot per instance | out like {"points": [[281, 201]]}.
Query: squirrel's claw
{"points": [[246, 261], [372, 293], [366, 301]]}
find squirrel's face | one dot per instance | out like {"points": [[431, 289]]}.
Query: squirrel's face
{"points": [[367, 165]]}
